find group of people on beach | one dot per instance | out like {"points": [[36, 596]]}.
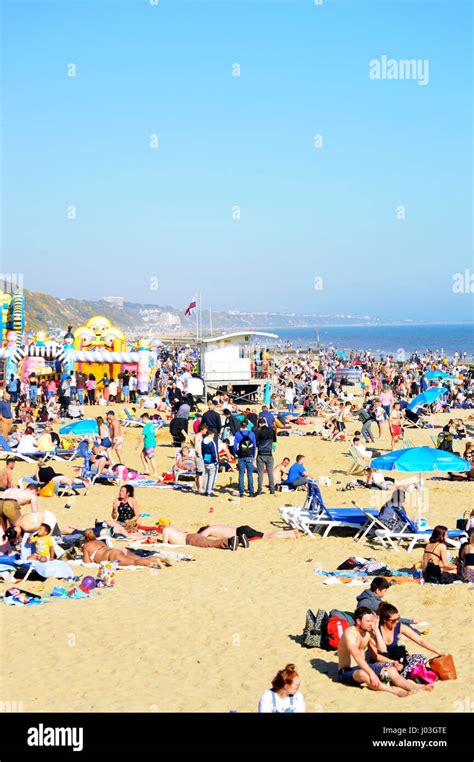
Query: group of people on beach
{"points": [[229, 436]]}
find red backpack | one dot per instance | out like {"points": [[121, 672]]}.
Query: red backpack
{"points": [[335, 627]]}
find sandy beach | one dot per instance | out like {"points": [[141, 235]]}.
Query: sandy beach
{"points": [[209, 635]]}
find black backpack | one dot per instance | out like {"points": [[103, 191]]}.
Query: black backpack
{"points": [[245, 448]]}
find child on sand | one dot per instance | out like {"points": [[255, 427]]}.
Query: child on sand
{"points": [[43, 544]]}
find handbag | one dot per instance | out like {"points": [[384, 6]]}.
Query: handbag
{"points": [[444, 667]]}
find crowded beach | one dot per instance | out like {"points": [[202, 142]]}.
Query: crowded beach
{"points": [[204, 545]]}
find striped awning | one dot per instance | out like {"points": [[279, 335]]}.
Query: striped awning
{"points": [[98, 355], [48, 351]]}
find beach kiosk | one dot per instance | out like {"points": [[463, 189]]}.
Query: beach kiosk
{"points": [[237, 360]]}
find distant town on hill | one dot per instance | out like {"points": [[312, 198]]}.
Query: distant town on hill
{"points": [[50, 313]]}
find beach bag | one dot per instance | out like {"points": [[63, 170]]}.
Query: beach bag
{"points": [[444, 667], [335, 629], [106, 574], [314, 633], [47, 490]]}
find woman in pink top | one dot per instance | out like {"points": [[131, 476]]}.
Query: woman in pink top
{"points": [[90, 388], [386, 398], [51, 389]]}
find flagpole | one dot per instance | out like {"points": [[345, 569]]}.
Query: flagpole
{"points": [[210, 320], [197, 326]]}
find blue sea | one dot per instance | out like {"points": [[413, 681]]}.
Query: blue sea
{"points": [[389, 339]]}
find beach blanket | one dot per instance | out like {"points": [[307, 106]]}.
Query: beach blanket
{"points": [[348, 574], [151, 483]]}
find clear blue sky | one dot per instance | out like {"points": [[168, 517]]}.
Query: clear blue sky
{"points": [[248, 140]]}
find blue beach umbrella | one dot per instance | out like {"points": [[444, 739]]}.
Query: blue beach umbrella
{"points": [[78, 428], [421, 460], [427, 397]]}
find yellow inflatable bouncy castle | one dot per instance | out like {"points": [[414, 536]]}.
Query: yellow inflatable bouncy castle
{"points": [[98, 335]]}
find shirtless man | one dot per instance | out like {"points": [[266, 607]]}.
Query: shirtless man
{"points": [[246, 533], [13, 499], [174, 536], [395, 424], [6, 474], [30, 522], [353, 667], [116, 434], [280, 472]]}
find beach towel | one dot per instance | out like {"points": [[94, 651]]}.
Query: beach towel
{"points": [[58, 569]]}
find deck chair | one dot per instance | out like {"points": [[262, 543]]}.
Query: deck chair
{"points": [[7, 452], [179, 472], [375, 525], [29, 457], [411, 420], [130, 420], [66, 455], [414, 536], [359, 465], [317, 516]]}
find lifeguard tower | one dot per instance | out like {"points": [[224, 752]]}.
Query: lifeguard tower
{"points": [[235, 359]]}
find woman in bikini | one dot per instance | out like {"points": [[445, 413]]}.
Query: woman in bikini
{"points": [[435, 565], [95, 551]]}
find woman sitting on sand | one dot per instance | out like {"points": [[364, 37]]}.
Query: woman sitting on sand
{"points": [[125, 513], [435, 565], [466, 560], [385, 646], [95, 551], [284, 696]]}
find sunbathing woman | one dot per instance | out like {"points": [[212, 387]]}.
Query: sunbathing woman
{"points": [[95, 551], [435, 563]]}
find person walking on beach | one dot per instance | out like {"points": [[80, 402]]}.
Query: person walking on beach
{"points": [[149, 445], [210, 458], [212, 419], [395, 424], [199, 436], [265, 437], [116, 434], [91, 387], [290, 398], [245, 447], [6, 415]]}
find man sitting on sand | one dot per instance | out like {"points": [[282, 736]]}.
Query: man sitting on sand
{"points": [[353, 667], [246, 533], [173, 536], [280, 472]]}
